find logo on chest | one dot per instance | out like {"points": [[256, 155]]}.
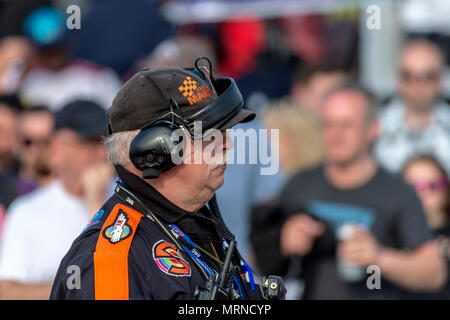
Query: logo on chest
{"points": [[119, 230], [169, 259]]}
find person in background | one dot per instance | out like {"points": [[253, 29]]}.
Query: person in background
{"points": [[7, 137], [418, 121], [311, 83], [41, 225], [16, 55], [348, 214], [431, 183], [33, 130], [299, 138], [56, 77], [10, 107], [296, 116]]}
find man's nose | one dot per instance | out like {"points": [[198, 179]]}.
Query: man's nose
{"points": [[228, 142]]}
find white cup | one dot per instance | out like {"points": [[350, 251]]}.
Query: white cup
{"points": [[348, 272]]}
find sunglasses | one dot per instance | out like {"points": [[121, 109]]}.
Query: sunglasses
{"points": [[28, 142], [439, 184], [429, 76]]}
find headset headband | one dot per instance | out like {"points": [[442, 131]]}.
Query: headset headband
{"points": [[227, 104]]}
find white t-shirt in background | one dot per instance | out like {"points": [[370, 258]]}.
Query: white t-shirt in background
{"points": [[39, 230], [79, 79]]}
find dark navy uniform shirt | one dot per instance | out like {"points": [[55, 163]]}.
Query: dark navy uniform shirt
{"points": [[122, 254]]}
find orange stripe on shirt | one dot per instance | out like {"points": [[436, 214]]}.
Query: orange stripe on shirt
{"points": [[111, 253]]}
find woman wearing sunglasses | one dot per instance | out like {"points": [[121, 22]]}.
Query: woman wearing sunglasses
{"points": [[431, 183]]}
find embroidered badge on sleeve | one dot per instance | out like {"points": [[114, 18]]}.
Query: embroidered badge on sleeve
{"points": [[170, 260], [119, 230]]}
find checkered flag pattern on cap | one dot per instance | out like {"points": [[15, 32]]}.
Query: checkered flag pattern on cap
{"points": [[188, 87]]}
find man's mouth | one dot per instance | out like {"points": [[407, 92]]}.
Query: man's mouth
{"points": [[219, 166]]}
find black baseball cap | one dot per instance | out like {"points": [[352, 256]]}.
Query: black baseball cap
{"points": [[147, 96], [86, 118]]}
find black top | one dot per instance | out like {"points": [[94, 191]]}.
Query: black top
{"points": [[385, 204], [145, 276]]}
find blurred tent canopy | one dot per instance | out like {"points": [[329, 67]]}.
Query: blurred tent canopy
{"points": [[209, 11]]}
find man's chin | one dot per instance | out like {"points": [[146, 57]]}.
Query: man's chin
{"points": [[216, 176], [218, 182]]}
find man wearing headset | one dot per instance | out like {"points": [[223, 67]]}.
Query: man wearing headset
{"points": [[155, 238]]}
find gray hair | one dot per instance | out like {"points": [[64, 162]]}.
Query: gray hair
{"points": [[118, 147]]}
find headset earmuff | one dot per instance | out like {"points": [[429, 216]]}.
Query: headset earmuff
{"points": [[151, 150]]}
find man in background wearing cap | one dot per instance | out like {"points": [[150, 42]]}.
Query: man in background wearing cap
{"points": [[132, 250], [41, 226]]}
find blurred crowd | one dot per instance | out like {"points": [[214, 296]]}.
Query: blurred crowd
{"points": [[363, 180]]}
